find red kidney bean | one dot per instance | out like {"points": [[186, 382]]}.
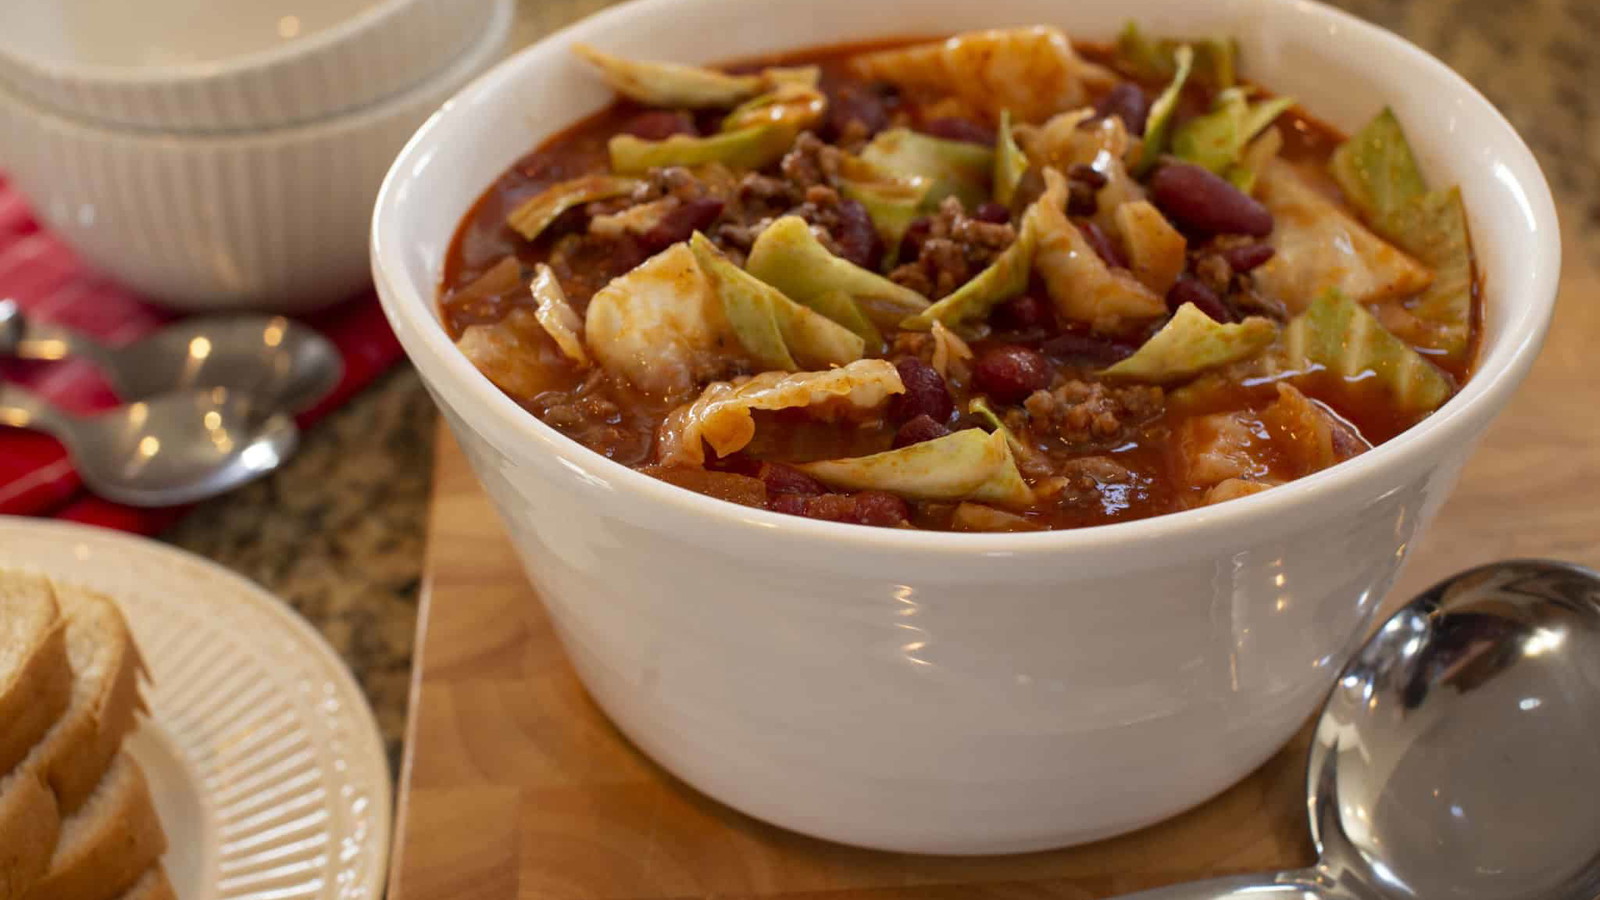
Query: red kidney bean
{"points": [[1081, 200], [925, 393], [1128, 102], [1024, 313], [879, 508], [1010, 372], [1103, 246], [1189, 289], [737, 463], [1199, 201], [911, 241], [865, 105], [857, 239], [952, 128], [782, 479], [678, 223], [992, 212], [1079, 346], [922, 428], [659, 124], [1245, 257], [1087, 174]]}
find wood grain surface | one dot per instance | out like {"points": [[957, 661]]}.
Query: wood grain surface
{"points": [[515, 786]]}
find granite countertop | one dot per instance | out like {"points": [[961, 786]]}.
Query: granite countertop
{"points": [[339, 532]]}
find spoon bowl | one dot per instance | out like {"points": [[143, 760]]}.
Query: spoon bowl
{"points": [[281, 364], [174, 448], [1459, 754]]}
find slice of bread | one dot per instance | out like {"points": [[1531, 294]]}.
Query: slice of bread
{"points": [[35, 675], [29, 826], [109, 844], [153, 886], [105, 697]]}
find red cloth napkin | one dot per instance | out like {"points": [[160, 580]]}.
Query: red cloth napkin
{"points": [[51, 285]]}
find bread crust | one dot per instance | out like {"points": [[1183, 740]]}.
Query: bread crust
{"points": [[30, 824], [79, 750], [36, 692], [124, 839]]}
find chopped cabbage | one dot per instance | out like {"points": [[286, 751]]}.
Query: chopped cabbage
{"points": [[1337, 335], [1082, 286], [949, 351], [660, 326], [636, 219], [970, 464], [1104, 146], [842, 308], [721, 415], [777, 332], [1257, 155], [792, 106], [1155, 60], [671, 84], [789, 257], [1191, 343], [1155, 249], [507, 353], [1380, 176], [1161, 112], [1318, 246], [1218, 139], [1009, 161], [1309, 436], [747, 148], [534, 215], [892, 201], [556, 316], [1034, 71], [1377, 170], [954, 168]]}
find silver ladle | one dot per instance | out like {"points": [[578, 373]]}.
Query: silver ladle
{"points": [[281, 364], [171, 449], [1458, 757]]}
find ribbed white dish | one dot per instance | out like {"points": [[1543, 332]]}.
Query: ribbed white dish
{"points": [[264, 759], [54, 52], [273, 219]]}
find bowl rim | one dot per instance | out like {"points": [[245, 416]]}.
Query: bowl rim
{"points": [[413, 313], [113, 76], [455, 75]]}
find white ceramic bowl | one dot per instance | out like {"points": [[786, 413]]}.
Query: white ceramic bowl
{"points": [[962, 693], [227, 65], [274, 219]]}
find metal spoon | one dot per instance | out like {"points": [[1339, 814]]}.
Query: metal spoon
{"points": [[171, 449], [1458, 757], [280, 363]]}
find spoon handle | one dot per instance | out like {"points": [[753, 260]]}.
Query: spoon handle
{"points": [[22, 408], [24, 338], [1287, 886]]}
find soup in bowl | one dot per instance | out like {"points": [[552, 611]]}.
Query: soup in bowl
{"points": [[1148, 375]]}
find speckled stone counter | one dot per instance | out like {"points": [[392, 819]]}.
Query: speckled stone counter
{"points": [[339, 533]]}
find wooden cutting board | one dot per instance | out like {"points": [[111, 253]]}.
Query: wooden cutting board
{"points": [[515, 786]]}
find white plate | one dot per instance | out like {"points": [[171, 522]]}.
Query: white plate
{"points": [[266, 764]]}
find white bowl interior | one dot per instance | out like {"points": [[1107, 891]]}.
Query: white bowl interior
{"points": [[1341, 69], [164, 33]]}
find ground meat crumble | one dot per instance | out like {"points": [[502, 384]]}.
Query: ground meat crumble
{"points": [[950, 247], [1090, 414]]}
